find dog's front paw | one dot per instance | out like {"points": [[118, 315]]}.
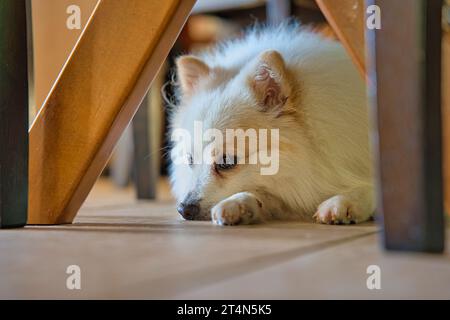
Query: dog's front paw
{"points": [[241, 208], [336, 210], [345, 209]]}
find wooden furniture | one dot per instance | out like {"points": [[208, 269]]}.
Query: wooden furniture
{"points": [[347, 18], [13, 114], [53, 41], [94, 99], [405, 87], [52, 47]]}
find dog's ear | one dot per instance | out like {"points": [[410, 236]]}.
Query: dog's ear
{"points": [[269, 81], [190, 70]]}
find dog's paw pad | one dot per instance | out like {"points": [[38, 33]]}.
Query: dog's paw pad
{"points": [[336, 210], [227, 213], [238, 209]]}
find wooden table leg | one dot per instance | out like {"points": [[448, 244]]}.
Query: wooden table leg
{"points": [[13, 114], [405, 90]]}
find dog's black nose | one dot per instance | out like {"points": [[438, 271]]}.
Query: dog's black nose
{"points": [[188, 210]]}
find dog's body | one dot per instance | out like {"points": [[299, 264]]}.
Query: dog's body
{"points": [[301, 84]]}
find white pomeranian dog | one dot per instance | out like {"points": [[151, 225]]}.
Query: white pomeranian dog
{"points": [[307, 92]]}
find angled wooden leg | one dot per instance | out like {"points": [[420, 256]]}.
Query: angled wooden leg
{"points": [[405, 86], [347, 17], [13, 114], [95, 98]]}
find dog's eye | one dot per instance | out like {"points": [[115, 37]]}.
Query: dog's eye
{"points": [[227, 163]]}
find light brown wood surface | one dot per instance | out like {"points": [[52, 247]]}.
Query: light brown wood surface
{"points": [[346, 17], [128, 249], [338, 271], [94, 99], [53, 41]]}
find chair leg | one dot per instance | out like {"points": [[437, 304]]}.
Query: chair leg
{"points": [[121, 162], [13, 114], [446, 109], [347, 18], [277, 10], [145, 175], [405, 87]]}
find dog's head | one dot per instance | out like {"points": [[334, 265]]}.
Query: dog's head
{"points": [[218, 107]]}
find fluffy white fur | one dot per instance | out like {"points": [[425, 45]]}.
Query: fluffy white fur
{"points": [[325, 165]]}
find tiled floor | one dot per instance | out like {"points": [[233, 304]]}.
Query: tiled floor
{"points": [[143, 250]]}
